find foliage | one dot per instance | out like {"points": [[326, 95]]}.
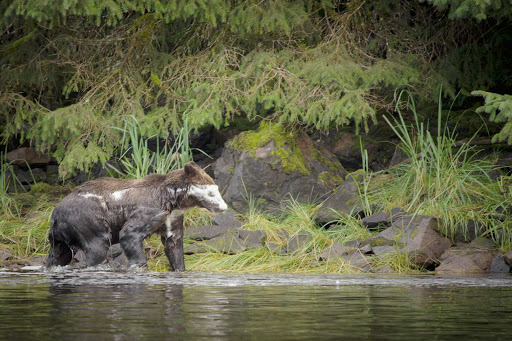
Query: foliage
{"points": [[73, 70], [138, 160], [478, 9], [443, 180], [500, 109]]}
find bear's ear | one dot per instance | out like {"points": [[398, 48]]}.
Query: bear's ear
{"points": [[191, 169]]}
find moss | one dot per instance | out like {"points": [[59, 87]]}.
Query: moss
{"points": [[334, 165], [327, 178], [378, 242], [289, 153]]}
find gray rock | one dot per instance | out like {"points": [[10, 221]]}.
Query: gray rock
{"points": [[386, 269], [5, 254], [482, 243], [382, 218], [465, 261], [261, 174], [227, 219], [508, 257], [466, 233], [398, 157], [417, 235], [228, 243], [345, 201], [498, 265], [276, 248], [37, 260], [252, 239], [357, 260], [382, 250], [353, 243], [207, 232], [334, 252], [366, 249], [26, 155], [297, 242]]}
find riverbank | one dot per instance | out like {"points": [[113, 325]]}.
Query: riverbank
{"points": [[292, 242]]}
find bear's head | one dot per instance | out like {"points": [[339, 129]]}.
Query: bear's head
{"points": [[195, 188]]}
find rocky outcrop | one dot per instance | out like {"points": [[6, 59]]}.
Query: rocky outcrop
{"points": [[272, 164]]}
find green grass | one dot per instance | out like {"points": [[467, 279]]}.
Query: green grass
{"points": [[296, 218], [138, 160], [445, 180]]}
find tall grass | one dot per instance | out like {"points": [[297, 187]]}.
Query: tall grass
{"points": [[442, 179], [138, 160], [9, 206]]}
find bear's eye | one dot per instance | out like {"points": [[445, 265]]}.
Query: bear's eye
{"points": [[211, 194]]}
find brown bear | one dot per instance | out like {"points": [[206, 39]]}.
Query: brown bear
{"points": [[106, 211]]}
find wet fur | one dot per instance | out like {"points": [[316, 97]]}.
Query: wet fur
{"points": [[107, 211]]}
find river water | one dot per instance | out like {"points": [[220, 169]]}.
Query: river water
{"points": [[102, 305]]}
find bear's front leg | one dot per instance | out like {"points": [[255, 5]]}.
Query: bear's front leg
{"points": [[172, 239], [141, 224]]}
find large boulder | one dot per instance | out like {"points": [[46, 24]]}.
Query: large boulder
{"points": [[273, 163]]}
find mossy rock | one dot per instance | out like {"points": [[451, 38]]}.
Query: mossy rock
{"points": [[273, 163]]}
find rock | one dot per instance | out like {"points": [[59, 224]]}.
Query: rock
{"points": [[398, 157], [344, 201], [297, 242], [498, 265], [26, 155], [386, 269], [347, 146], [31, 268], [382, 218], [417, 235], [227, 219], [357, 260], [252, 239], [353, 244], [288, 164], [382, 250], [34, 216], [466, 233], [365, 249], [334, 252], [5, 254], [228, 243], [508, 257], [465, 261], [276, 248], [482, 243], [37, 260], [207, 232]]}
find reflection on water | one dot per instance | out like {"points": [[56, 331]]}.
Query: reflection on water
{"points": [[191, 306]]}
